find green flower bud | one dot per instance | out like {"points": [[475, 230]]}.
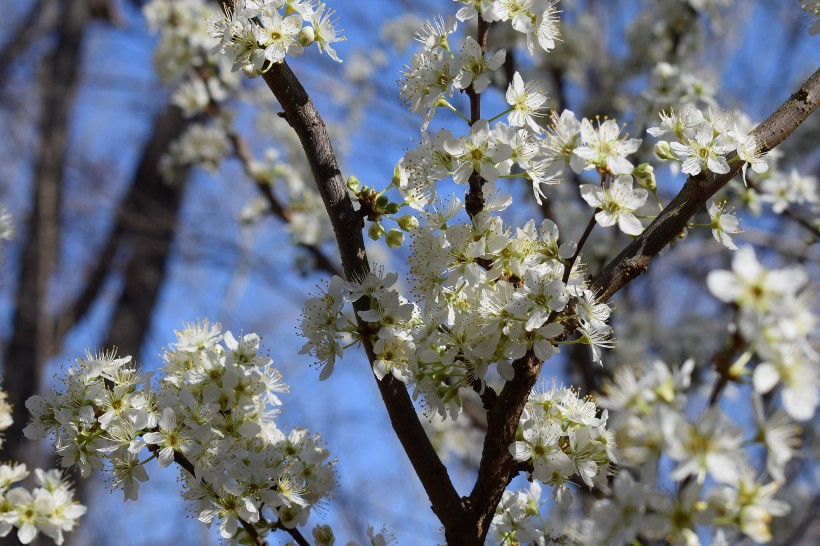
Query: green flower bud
{"points": [[392, 208], [645, 175], [382, 202], [408, 223], [353, 183], [375, 231], [394, 238], [664, 151]]}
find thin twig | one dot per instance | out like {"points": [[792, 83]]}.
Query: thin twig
{"points": [[474, 200], [788, 212], [581, 242], [321, 260]]}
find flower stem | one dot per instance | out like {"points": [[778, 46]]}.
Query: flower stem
{"points": [[581, 243]]}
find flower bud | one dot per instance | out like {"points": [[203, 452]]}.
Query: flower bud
{"points": [[645, 175], [382, 201], [306, 36], [250, 71], [392, 208], [394, 238], [399, 176], [408, 223], [375, 231], [353, 183], [664, 151], [323, 534]]}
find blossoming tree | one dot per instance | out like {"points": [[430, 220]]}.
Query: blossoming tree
{"points": [[641, 451]]}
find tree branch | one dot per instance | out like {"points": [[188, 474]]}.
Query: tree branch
{"points": [[149, 211], [302, 115], [243, 152], [474, 200], [497, 466], [635, 258]]}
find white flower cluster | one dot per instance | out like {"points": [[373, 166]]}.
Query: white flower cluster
{"points": [[635, 509], [435, 71], [812, 9], [213, 415], [671, 85], [536, 19], [703, 141], [561, 436], [200, 145], [259, 33], [518, 519], [183, 55], [493, 152], [649, 421], [783, 190], [204, 85], [182, 42], [308, 223], [488, 296], [776, 319], [49, 508], [200, 80]]}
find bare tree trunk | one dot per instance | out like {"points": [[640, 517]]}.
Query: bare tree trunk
{"points": [[149, 220], [145, 223], [32, 337]]}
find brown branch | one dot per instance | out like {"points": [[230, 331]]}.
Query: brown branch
{"points": [[482, 33], [302, 115], [497, 465], [635, 258], [474, 200], [581, 242]]}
